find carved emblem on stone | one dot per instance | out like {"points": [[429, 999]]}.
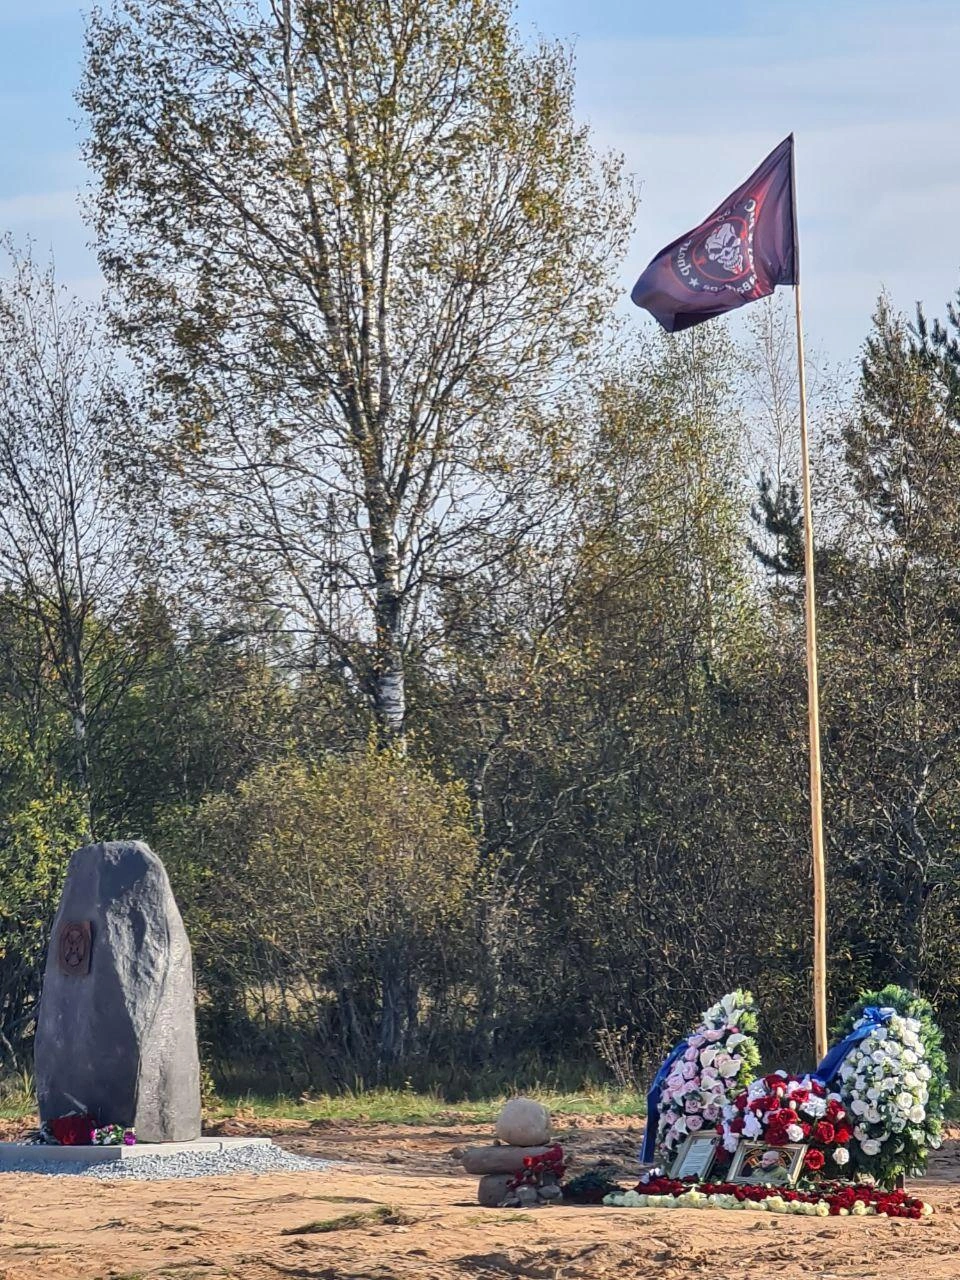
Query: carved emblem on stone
{"points": [[74, 947]]}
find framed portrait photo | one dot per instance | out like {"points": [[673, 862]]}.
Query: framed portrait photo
{"points": [[695, 1158], [757, 1162]]}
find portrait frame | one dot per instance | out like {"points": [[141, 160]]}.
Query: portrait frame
{"points": [[747, 1169], [696, 1156]]}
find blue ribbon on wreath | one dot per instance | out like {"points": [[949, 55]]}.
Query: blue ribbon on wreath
{"points": [[653, 1101], [873, 1017]]}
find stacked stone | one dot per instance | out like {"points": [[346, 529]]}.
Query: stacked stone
{"points": [[522, 1129]]}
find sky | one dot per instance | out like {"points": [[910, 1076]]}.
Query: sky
{"points": [[693, 92]]}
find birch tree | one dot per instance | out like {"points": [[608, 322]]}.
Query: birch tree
{"points": [[361, 245], [71, 554]]}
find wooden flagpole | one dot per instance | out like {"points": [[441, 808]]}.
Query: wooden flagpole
{"points": [[813, 702]]}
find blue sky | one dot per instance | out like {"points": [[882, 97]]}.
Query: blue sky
{"points": [[694, 94]]}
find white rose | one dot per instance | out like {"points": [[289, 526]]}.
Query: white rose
{"points": [[870, 1147], [794, 1133], [858, 1106], [916, 1115], [841, 1155], [904, 1101]]}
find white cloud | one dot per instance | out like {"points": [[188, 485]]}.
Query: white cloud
{"points": [[26, 211]]}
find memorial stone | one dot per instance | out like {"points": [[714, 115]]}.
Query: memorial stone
{"points": [[116, 1034]]}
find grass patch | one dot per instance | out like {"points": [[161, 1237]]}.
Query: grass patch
{"points": [[18, 1099], [479, 1220], [375, 1106], [381, 1215], [403, 1106]]}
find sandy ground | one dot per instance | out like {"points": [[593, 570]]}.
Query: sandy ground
{"points": [[235, 1229]]}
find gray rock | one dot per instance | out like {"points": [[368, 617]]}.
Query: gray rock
{"points": [[527, 1196], [549, 1192], [116, 1035], [497, 1159], [494, 1188], [523, 1123]]}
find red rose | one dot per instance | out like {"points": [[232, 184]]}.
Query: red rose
{"points": [[814, 1160], [842, 1134], [825, 1132], [72, 1131]]}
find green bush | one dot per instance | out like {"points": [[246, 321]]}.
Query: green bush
{"points": [[331, 913], [41, 823]]}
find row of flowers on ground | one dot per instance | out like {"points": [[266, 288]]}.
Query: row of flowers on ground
{"points": [[835, 1200]]}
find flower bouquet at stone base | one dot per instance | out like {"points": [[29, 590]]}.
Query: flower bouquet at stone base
{"points": [[714, 1064]]}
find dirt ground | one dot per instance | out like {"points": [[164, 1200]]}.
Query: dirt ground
{"points": [[245, 1228]]}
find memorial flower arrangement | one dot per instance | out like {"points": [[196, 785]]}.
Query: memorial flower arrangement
{"points": [[829, 1200], [71, 1130], [779, 1108], [550, 1164], [113, 1135], [894, 1085], [718, 1060], [78, 1130]]}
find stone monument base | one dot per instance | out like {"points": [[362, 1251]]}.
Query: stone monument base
{"points": [[40, 1155]]}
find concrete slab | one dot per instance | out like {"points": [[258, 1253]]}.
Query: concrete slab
{"points": [[40, 1154]]}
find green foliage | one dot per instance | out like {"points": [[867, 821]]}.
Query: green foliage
{"points": [[41, 821], [359, 874]]}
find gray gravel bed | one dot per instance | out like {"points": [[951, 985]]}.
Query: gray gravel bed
{"points": [[186, 1164]]}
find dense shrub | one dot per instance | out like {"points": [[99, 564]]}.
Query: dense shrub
{"points": [[330, 911]]}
